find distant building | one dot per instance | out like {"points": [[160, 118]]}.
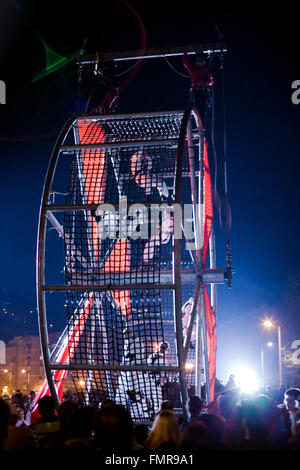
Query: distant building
{"points": [[23, 367], [2, 352]]}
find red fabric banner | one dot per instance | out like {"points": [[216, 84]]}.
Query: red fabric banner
{"points": [[211, 338], [65, 355], [208, 204], [210, 319]]}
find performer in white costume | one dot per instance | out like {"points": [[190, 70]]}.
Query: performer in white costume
{"points": [[131, 384], [154, 380], [186, 318]]}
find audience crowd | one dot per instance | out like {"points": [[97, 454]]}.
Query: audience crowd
{"points": [[268, 419]]}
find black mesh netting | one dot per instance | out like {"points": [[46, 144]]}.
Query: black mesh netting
{"points": [[127, 324]]}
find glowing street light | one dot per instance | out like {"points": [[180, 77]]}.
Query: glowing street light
{"points": [[270, 324]]}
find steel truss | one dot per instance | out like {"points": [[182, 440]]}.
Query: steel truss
{"points": [[107, 297]]}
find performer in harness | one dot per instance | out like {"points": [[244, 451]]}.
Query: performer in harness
{"points": [[155, 379], [201, 81], [131, 391]]}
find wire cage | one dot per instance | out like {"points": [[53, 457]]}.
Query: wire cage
{"points": [[135, 217]]}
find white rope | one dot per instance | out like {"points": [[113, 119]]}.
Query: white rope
{"points": [[176, 71]]}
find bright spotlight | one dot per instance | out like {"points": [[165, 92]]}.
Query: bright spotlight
{"points": [[268, 324], [189, 366], [246, 379]]}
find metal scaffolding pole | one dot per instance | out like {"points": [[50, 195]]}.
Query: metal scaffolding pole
{"points": [[151, 53]]}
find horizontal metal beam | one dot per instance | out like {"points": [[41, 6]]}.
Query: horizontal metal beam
{"points": [[101, 287], [151, 53], [161, 280], [91, 207], [114, 367], [100, 146], [213, 276], [128, 117]]}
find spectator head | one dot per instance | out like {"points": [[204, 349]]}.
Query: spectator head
{"points": [[4, 418], [107, 402], [215, 428], [166, 405], [65, 412], [195, 405], [290, 401], [164, 430], [81, 425], [257, 418], [140, 433], [194, 437], [294, 392], [46, 406], [113, 428], [21, 413], [226, 405]]}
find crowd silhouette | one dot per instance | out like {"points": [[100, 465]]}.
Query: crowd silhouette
{"points": [[268, 419]]}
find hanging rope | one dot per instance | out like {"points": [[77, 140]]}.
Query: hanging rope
{"points": [[176, 71], [229, 269], [128, 70], [217, 198], [136, 66]]}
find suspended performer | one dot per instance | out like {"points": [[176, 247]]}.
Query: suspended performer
{"points": [[186, 312], [141, 169], [164, 230], [154, 380], [131, 391], [201, 82]]}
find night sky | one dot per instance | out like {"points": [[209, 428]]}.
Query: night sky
{"points": [[262, 126]]}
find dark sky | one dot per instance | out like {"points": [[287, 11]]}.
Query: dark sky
{"points": [[262, 142]]}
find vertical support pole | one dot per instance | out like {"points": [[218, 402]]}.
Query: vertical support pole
{"points": [[206, 365], [40, 262], [198, 241], [89, 374], [279, 356], [176, 258], [177, 305], [198, 365], [212, 263], [201, 228]]}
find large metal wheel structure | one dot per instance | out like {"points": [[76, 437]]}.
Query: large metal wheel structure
{"points": [[136, 240]]}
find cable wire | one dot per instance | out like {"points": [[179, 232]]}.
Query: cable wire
{"points": [[176, 71]]}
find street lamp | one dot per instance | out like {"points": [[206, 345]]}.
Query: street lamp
{"points": [[269, 324], [269, 344]]}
